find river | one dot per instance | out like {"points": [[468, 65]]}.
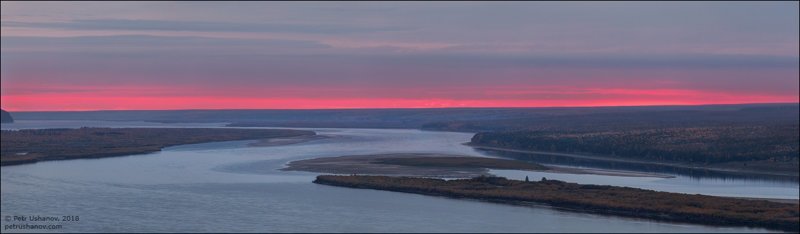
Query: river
{"points": [[231, 187]]}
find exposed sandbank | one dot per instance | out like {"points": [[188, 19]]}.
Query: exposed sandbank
{"points": [[448, 166], [286, 140]]}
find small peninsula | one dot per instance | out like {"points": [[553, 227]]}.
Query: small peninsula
{"points": [[35, 145], [600, 199]]}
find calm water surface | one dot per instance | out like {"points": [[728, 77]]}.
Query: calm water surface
{"points": [[227, 187]]}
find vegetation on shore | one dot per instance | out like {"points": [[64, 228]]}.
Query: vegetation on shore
{"points": [[34, 145], [623, 201], [772, 148], [758, 139], [582, 120]]}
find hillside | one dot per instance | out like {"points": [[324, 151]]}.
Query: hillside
{"points": [[755, 148], [455, 119], [632, 119]]}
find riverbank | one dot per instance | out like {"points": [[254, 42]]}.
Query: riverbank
{"points": [[627, 160], [434, 165], [611, 200], [31, 146]]}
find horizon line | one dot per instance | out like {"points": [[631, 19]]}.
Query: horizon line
{"points": [[416, 108]]}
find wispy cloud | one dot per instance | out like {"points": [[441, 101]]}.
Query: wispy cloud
{"points": [[166, 25], [156, 45]]}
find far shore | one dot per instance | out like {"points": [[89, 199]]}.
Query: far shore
{"points": [[36, 145], [625, 160]]}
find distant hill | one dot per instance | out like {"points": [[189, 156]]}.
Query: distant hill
{"points": [[632, 119], [5, 117], [456, 119]]}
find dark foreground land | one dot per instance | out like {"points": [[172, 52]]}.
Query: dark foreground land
{"points": [[30, 146], [623, 201]]}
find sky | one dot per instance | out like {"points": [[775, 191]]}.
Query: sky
{"points": [[68, 56]]}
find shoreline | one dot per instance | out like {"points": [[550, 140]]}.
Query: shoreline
{"points": [[778, 200], [605, 172], [625, 160]]}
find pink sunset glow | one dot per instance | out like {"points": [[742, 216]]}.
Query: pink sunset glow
{"points": [[91, 101], [261, 55]]}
